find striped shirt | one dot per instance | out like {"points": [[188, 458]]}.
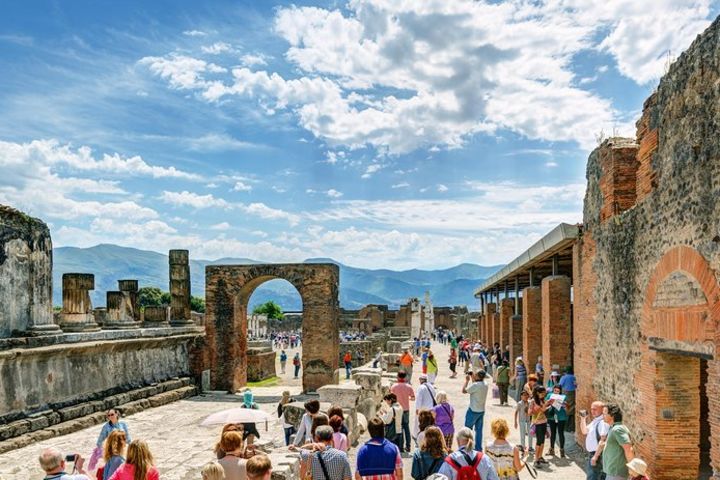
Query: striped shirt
{"points": [[336, 463]]}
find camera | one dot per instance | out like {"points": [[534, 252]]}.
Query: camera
{"points": [[583, 413], [71, 457]]}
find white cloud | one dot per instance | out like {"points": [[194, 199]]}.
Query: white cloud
{"points": [[194, 200], [400, 185], [251, 60], [242, 187], [400, 75], [371, 170], [194, 33], [551, 164], [218, 142], [181, 71], [332, 193], [442, 188], [216, 48], [220, 226]]}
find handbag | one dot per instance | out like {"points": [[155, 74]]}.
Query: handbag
{"points": [[496, 392]]}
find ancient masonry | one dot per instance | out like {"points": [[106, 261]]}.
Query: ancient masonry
{"points": [[631, 297]]}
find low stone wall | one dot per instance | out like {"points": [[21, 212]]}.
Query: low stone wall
{"points": [[261, 364], [60, 371]]}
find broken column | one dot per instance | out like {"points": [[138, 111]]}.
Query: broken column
{"points": [[532, 326], [119, 313], [77, 312], [180, 288], [556, 322], [130, 289], [156, 316], [25, 275]]}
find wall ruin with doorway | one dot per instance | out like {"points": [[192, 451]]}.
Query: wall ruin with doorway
{"points": [[647, 302]]}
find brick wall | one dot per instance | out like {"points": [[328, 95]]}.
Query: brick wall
{"points": [[516, 338], [490, 311], [647, 138], [556, 322], [619, 174], [507, 310], [532, 326]]}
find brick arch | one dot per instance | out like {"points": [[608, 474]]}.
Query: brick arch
{"points": [[677, 330], [227, 291]]}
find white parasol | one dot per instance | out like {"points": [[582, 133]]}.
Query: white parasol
{"points": [[237, 415]]}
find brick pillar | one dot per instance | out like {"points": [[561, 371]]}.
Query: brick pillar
{"points": [[507, 310], [556, 322], [532, 326], [77, 312], [490, 310], [516, 338], [180, 288]]}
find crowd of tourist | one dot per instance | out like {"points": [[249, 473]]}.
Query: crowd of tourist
{"points": [[542, 413]]}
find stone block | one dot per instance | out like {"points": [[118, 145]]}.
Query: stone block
{"points": [[394, 346], [345, 395]]}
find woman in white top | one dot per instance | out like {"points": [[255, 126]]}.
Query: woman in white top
{"points": [[504, 455]]}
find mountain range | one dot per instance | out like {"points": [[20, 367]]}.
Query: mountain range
{"points": [[358, 286]]}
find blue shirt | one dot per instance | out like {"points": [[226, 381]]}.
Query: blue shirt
{"points": [[568, 382], [108, 428]]}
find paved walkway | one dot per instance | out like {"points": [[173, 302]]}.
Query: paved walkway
{"points": [[181, 446]]}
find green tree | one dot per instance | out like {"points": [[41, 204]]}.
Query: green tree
{"points": [[151, 296], [271, 309], [197, 304]]}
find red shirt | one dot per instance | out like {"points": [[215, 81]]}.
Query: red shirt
{"points": [[127, 472], [404, 393]]}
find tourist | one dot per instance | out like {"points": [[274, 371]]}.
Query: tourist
{"points": [[595, 432], [520, 377], [296, 364], [539, 371], [557, 417], [340, 440], [320, 420], [569, 385], [502, 379], [617, 449], [424, 399], [391, 414], [406, 364], [432, 367], [426, 418], [233, 463], [476, 363], [113, 423], [337, 411], [139, 464], [259, 467], [423, 359], [229, 427], [416, 346], [444, 417], [283, 361], [347, 361], [554, 380], [250, 431], [453, 360], [522, 420], [504, 455], [212, 471], [378, 458], [456, 463], [428, 459], [288, 427], [453, 343], [312, 407], [377, 361], [52, 461], [538, 407], [530, 385], [506, 354], [113, 453], [325, 462], [637, 469], [404, 393], [477, 389]]}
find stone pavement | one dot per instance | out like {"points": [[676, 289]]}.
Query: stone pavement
{"points": [[181, 447]]}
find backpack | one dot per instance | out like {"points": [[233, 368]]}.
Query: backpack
{"points": [[466, 472], [296, 361]]}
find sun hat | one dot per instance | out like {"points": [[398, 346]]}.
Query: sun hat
{"points": [[637, 466], [423, 377], [554, 374]]}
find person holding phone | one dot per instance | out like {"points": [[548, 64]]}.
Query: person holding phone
{"points": [[54, 464]]}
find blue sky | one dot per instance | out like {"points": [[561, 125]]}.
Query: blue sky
{"points": [[382, 134]]}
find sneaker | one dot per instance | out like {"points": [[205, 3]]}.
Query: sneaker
{"points": [[562, 453]]}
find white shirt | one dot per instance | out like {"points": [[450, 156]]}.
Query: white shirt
{"points": [[390, 414], [591, 442], [424, 397]]}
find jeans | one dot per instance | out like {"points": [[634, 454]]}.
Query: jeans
{"points": [[288, 432], [525, 433], [348, 368], [475, 421], [557, 431], [596, 472], [406, 428], [297, 370]]}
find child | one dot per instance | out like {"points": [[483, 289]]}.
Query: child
{"points": [[522, 420], [453, 363], [637, 469]]}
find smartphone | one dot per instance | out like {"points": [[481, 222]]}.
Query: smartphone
{"points": [[71, 457]]}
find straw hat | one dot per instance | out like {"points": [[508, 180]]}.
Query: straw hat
{"points": [[637, 466]]}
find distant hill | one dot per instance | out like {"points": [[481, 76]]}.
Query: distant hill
{"points": [[358, 286]]}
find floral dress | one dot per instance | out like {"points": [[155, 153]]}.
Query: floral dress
{"points": [[502, 455]]}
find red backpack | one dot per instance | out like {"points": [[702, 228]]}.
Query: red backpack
{"points": [[466, 472]]}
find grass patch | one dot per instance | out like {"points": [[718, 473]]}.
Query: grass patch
{"points": [[268, 382]]}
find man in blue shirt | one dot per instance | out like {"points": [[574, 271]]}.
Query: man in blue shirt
{"points": [[569, 385]]}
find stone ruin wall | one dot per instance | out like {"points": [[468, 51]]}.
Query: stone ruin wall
{"points": [[644, 197]]}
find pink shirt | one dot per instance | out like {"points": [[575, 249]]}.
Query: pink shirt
{"points": [[340, 441], [403, 392], [127, 472]]}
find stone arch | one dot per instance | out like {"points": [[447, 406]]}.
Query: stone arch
{"points": [[679, 329], [227, 291]]}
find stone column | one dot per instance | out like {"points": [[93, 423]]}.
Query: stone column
{"points": [[130, 289], [180, 288], [532, 326], [507, 309], [320, 357], [77, 313], [156, 316], [516, 339], [556, 322], [119, 312]]}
